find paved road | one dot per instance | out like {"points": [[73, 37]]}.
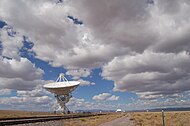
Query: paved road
{"points": [[123, 121]]}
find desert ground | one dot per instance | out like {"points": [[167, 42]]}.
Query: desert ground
{"points": [[155, 118], [86, 121], [181, 118], [93, 121], [18, 113]]}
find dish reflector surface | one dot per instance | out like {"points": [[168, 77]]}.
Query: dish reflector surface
{"points": [[62, 88]]}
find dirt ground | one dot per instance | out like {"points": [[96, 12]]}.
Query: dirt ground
{"points": [[155, 118], [18, 113], [87, 121], [114, 119], [93, 121]]}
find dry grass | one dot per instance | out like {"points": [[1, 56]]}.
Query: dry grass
{"points": [[15, 113], [155, 118], [92, 121], [85, 121]]}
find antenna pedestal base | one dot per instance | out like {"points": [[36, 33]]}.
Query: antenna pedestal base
{"points": [[62, 100]]}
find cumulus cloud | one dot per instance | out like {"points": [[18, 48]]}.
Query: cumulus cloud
{"points": [[39, 91], [118, 23], [11, 68], [82, 104], [42, 103], [178, 100], [10, 42], [25, 100], [50, 30], [156, 73], [113, 98], [157, 103], [19, 75], [37, 99], [172, 20], [132, 26], [85, 82], [136, 26], [19, 84], [105, 96], [5, 92], [78, 73], [16, 72]]}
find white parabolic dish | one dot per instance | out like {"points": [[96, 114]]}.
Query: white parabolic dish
{"points": [[62, 88]]}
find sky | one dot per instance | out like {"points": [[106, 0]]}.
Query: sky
{"points": [[129, 54]]}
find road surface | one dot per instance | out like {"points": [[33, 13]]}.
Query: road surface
{"points": [[123, 121]]}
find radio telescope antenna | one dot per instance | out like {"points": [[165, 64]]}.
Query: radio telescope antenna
{"points": [[62, 89]]}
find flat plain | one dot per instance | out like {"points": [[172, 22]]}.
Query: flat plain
{"points": [[93, 121], [83, 121], [177, 118], [18, 113]]}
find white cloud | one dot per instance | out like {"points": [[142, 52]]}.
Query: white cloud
{"points": [[11, 68], [82, 104], [101, 97], [85, 82], [149, 95], [105, 97], [11, 44], [110, 29], [42, 103], [37, 99], [39, 91], [113, 98], [163, 103], [77, 73], [50, 30], [19, 83], [160, 73], [5, 92], [19, 74]]}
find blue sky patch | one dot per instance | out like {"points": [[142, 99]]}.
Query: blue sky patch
{"points": [[75, 20]]}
